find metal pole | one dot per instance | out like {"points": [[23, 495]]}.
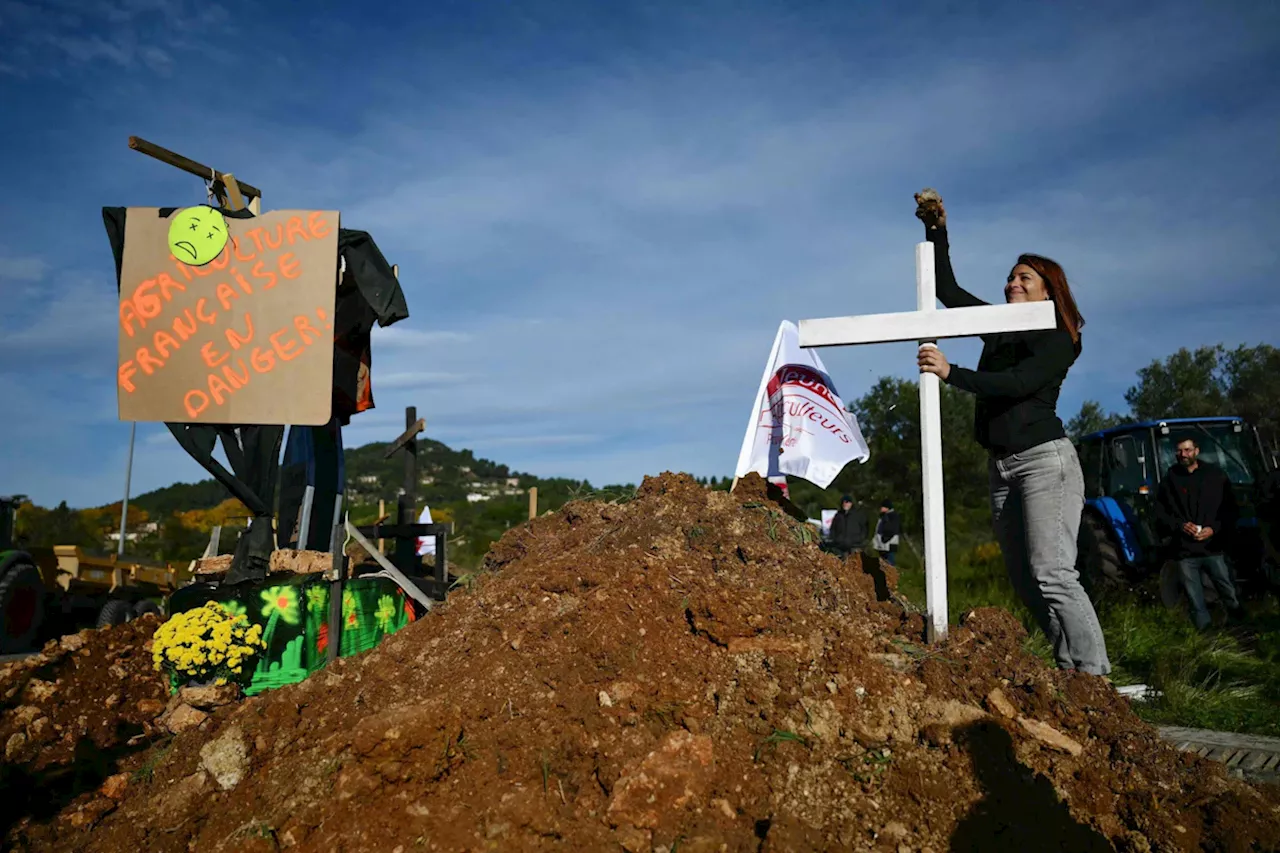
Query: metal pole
{"points": [[128, 475]]}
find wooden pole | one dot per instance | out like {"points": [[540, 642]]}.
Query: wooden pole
{"points": [[188, 165], [407, 549], [533, 503], [382, 513]]}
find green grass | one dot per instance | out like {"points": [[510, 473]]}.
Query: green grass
{"points": [[1224, 679]]}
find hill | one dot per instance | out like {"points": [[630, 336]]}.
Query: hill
{"points": [[483, 499]]}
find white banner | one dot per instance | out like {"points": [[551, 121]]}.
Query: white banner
{"points": [[798, 424], [426, 544]]}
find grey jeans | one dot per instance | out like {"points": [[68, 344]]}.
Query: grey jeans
{"points": [[1037, 497], [1216, 565]]}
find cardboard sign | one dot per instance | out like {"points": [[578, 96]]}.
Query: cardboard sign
{"points": [[246, 338]]}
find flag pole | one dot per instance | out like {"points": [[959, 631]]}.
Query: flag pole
{"points": [[744, 455], [128, 474]]}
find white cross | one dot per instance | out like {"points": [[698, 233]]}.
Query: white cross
{"points": [[926, 326]]}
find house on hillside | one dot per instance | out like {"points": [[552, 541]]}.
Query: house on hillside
{"points": [[476, 497], [513, 482]]}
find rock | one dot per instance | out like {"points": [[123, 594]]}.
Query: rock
{"points": [[1050, 736], [40, 690], [170, 807], [605, 701], [896, 662], [634, 840], [725, 808], [768, 645], [92, 812], [14, 746], [998, 703], [183, 718], [701, 844], [114, 786], [150, 707], [40, 730], [668, 778], [73, 642], [953, 713], [118, 672], [208, 698], [25, 715], [621, 691], [895, 830], [226, 758]]}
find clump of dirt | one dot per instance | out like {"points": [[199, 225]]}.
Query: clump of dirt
{"points": [[75, 711], [95, 689], [685, 671]]}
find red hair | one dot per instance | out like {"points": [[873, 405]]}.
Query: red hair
{"points": [[1055, 281]]}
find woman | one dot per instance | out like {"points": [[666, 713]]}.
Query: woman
{"points": [[1037, 488]]}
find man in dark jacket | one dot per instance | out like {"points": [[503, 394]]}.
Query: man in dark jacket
{"points": [[1269, 521], [848, 528], [887, 530], [1196, 508]]}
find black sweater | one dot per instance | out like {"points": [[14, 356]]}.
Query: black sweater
{"points": [[1204, 497], [1019, 374]]}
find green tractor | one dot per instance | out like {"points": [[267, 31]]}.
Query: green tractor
{"points": [[22, 592]]}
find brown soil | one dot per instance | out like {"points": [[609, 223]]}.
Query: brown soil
{"points": [[685, 672]]}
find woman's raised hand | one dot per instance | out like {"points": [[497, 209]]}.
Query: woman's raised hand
{"points": [[929, 209]]}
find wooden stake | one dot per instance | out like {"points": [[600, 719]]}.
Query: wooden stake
{"points": [[235, 200], [533, 503], [382, 513]]}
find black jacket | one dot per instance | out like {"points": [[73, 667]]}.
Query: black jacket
{"points": [[1019, 374], [1204, 497], [889, 526], [849, 528]]}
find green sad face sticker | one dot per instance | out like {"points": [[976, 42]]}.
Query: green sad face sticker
{"points": [[197, 235]]}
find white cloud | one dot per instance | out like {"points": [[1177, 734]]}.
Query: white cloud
{"points": [[20, 268]]}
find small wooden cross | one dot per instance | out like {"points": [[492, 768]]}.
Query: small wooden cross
{"points": [[928, 325]]}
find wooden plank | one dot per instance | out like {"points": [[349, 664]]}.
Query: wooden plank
{"points": [[927, 325], [186, 164], [235, 199], [405, 437], [1255, 760], [405, 531]]}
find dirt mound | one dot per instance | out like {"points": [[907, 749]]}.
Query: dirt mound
{"points": [[683, 671], [65, 711], [94, 688]]}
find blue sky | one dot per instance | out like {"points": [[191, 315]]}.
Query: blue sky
{"points": [[602, 211]]}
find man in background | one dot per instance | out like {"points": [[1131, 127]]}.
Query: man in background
{"points": [[1196, 508], [1269, 522], [848, 529], [888, 528]]}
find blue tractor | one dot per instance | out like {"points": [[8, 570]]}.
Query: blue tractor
{"points": [[1120, 545]]}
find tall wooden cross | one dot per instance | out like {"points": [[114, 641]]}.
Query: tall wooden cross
{"points": [[926, 326]]}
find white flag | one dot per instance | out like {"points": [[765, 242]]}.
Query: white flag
{"points": [[426, 544], [799, 425]]}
